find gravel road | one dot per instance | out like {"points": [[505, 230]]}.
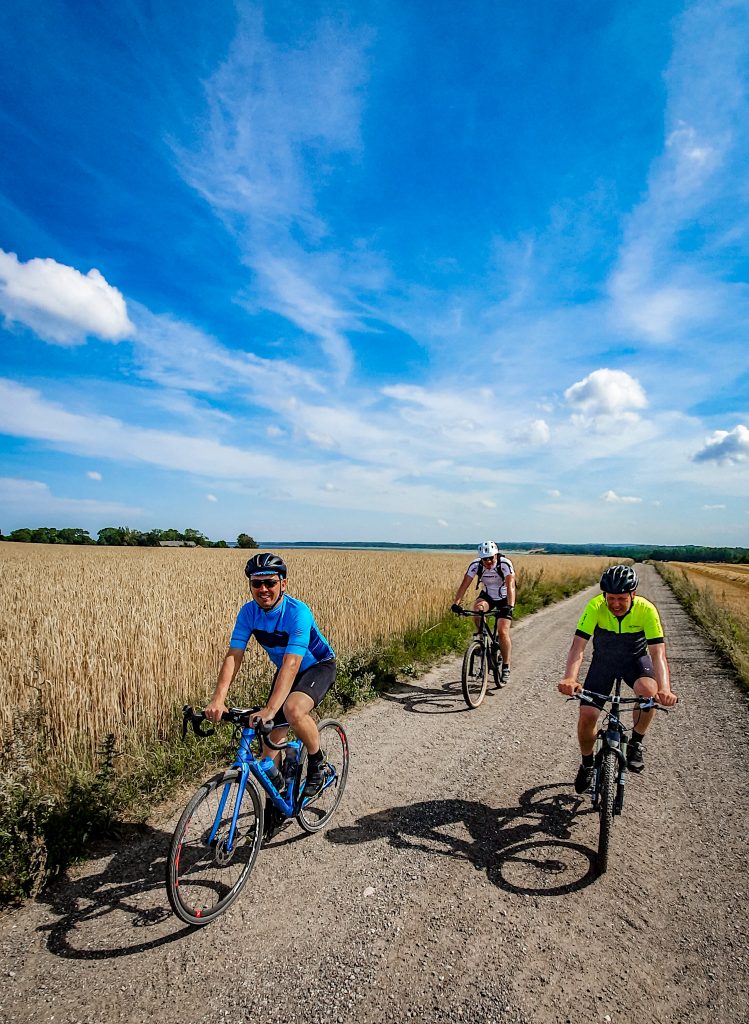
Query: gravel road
{"points": [[455, 883]]}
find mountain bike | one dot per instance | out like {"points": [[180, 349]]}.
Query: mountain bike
{"points": [[219, 834], [482, 655], [610, 761]]}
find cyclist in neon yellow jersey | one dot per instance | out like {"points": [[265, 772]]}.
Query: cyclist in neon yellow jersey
{"points": [[628, 643]]}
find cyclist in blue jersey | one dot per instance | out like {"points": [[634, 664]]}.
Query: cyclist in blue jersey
{"points": [[628, 643], [305, 662]]}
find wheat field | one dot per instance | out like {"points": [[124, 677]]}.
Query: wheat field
{"points": [[729, 584], [111, 640]]}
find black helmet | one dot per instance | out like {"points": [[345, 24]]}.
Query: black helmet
{"points": [[265, 564], [619, 579]]}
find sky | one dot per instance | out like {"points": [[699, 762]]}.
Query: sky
{"points": [[414, 272]]}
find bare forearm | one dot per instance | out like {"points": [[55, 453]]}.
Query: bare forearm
{"points": [[227, 675], [462, 589], [574, 658]]}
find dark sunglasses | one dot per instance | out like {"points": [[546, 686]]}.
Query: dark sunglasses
{"points": [[258, 584]]}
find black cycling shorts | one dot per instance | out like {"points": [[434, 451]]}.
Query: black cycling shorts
{"points": [[315, 681], [602, 674], [502, 607]]}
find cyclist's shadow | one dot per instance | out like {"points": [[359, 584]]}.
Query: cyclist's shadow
{"points": [[443, 699], [527, 849], [130, 888]]}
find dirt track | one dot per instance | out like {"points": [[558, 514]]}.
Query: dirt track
{"points": [[455, 882]]}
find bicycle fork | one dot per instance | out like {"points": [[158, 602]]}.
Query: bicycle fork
{"points": [[614, 740]]}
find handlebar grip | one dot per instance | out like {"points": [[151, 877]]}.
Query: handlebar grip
{"points": [[196, 719]]}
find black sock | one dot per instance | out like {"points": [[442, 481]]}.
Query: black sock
{"points": [[636, 737], [315, 759], [588, 760]]}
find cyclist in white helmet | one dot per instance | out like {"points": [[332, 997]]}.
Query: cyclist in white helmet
{"points": [[497, 578]]}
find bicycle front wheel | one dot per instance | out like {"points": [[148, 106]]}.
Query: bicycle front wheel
{"points": [[607, 790], [318, 811], [207, 866], [474, 673]]}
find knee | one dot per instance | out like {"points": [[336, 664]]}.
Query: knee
{"points": [[588, 719], [645, 687], [292, 711]]}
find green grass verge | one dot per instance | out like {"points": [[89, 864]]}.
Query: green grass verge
{"points": [[727, 633], [48, 822]]}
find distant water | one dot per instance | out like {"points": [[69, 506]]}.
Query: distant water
{"points": [[464, 549]]}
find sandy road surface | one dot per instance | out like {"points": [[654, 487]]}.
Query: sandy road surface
{"points": [[455, 882]]}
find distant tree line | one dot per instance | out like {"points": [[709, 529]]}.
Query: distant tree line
{"points": [[654, 552], [121, 536]]}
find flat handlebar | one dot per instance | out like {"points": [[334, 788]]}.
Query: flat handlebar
{"points": [[468, 613], [644, 703]]}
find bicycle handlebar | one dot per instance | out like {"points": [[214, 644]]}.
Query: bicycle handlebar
{"points": [[644, 703], [242, 717], [468, 613]]}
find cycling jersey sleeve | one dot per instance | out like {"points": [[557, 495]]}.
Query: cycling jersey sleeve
{"points": [[472, 569], [506, 567], [587, 622], [652, 625], [242, 631], [300, 628]]}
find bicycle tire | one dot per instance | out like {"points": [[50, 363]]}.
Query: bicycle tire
{"points": [[609, 766], [474, 673], [196, 872], [316, 813]]}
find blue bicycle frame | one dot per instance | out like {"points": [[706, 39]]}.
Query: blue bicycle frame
{"points": [[248, 764]]}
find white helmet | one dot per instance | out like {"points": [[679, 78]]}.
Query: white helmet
{"points": [[488, 549]]}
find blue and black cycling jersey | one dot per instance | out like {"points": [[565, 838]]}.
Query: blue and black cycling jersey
{"points": [[287, 628], [623, 638]]}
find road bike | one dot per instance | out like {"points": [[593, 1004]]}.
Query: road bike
{"points": [[219, 834], [610, 761], [482, 655]]}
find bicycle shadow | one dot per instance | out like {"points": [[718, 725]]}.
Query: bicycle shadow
{"points": [[527, 849], [445, 699], [130, 889]]}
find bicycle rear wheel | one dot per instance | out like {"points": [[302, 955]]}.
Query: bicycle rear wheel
{"points": [[204, 876], [318, 811], [607, 789], [474, 673]]}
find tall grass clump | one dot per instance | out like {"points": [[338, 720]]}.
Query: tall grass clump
{"points": [[103, 646], [727, 631]]}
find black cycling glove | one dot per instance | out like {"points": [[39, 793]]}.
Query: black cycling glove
{"points": [[456, 608]]}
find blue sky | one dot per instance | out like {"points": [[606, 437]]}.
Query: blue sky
{"points": [[376, 271]]}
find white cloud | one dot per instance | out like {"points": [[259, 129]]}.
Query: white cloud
{"points": [[615, 499], [726, 446], [606, 393], [554, 493], [59, 303], [442, 522], [211, 497], [713, 508], [277, 115], [93, 475], [485, 503], [535, 433], [30, 500]]}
